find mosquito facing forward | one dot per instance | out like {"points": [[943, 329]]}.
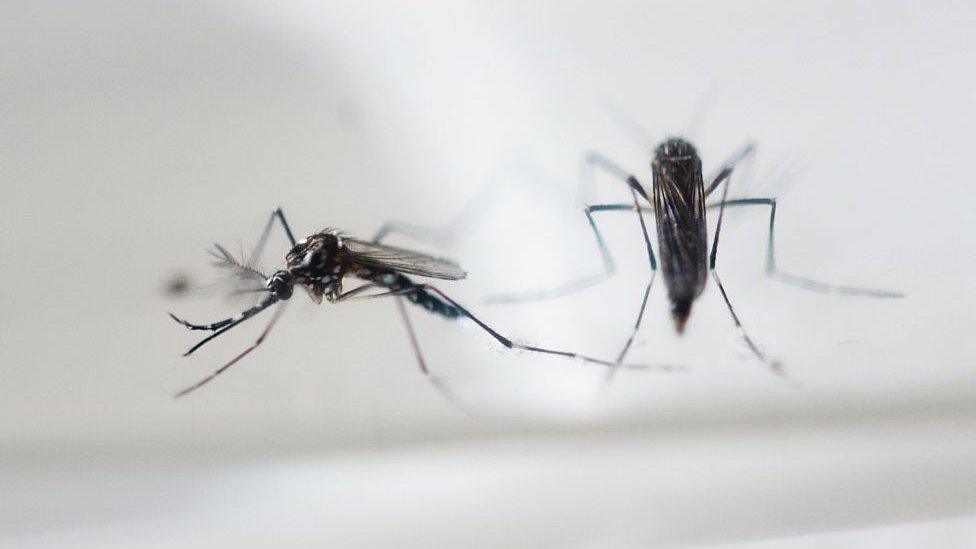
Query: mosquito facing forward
{"points": [[678, 201], [321, 262]]}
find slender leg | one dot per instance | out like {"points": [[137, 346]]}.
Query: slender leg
{"points": [[222, 369], [610, 268], [351, 294], [802, 282], [725, 169], [384, 231], [647, 290], [774, 365], [593, 160], [573, 286], [259, 247], [633, 332], [413, 336], [491, 331]]}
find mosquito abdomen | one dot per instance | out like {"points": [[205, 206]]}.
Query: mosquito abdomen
{"points": [[418, 295], [679, 209]]}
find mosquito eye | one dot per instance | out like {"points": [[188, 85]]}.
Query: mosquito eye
{"points": [[282, 283], [283, 291]]}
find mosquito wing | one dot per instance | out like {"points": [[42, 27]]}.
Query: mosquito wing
{"points": [[405, 261]]}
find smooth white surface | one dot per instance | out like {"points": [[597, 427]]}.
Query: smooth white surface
{"points": [[136, 134]]}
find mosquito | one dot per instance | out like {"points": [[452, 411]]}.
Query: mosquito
{"points": [[321, 262], [678, 204]]}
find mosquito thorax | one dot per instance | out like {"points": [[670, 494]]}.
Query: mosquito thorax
{"points": [[313, 255], [675, 148], [281, 284], [676, 161]]}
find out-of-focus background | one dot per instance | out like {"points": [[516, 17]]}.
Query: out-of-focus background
{"points": [[135, 134]]}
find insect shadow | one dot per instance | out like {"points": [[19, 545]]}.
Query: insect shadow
{"points": [[678, 202], [322, 261]]}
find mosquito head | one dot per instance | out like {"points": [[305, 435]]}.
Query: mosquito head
{"points": [[281, 284], [680, 310]]}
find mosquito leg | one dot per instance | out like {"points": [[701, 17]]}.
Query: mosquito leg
{"points": [[414, 343], [633, 332], [222, 369], [593, 160], [647, 291], [725, 169], [502, 339], [351, 294], [609, 266], [402, 309], [802, 282], [573, 286], [259, 247], [774, 365]]}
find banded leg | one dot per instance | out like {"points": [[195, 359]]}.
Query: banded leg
{"points": [[221, 326], [799, 281], [257, 343], [491, 331], [774, 365]]}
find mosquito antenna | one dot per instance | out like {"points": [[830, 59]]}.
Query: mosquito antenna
{"points": [[222, 369], [225, 259]]}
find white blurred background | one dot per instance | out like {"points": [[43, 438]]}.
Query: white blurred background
{"points": [[136, 134]]}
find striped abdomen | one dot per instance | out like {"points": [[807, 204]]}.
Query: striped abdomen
{"points": [[679, 209], [396, 282]]}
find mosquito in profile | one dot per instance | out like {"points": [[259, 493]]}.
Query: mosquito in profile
{"points": [[321, 262]]}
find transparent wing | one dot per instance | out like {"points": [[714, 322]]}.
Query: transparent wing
{"points": [[399, 259]]}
